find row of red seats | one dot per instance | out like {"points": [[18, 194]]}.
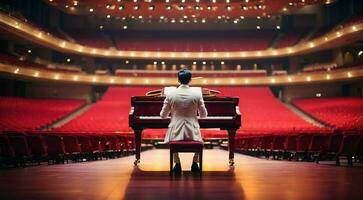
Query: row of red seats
{"points": [[194, 41], [172, 74], [90, 38], [308, 147], [20, 148], [30, 113], [290, 39], [13, 60], [338, 112]]}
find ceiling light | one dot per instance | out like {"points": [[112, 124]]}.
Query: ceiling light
{"points": [[244, 7], [168, 7], [203, 21], [30, 51], [228, 8], [278, 27], [108, 16], [68, 60], [222, 62], [258, 27], [209, 7], [136, 7], [124, 27], [121, 7], [196, 7], [101, 27], [242, 17], [214, 1], [152, 7], [91, 10], [181, 7], [360, 53]]}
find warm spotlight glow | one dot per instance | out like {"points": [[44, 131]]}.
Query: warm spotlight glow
{"points": [[328, 76], [36, 74], [128, 81], [349, 74], [308, 78], [204, 81], [94, 79], [16, 70], [112, 80], [272, 80], [162, 81], [311, 44], [354, 28], [232, 81], [216, 81], [147, 81], [75, 78], [289, 79], [246, 81], [56, 77]]}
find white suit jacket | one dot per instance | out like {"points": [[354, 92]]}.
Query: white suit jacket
{"points": [[184, 105]]}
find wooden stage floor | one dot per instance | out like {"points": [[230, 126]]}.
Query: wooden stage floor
{"points": [[251, 179]]}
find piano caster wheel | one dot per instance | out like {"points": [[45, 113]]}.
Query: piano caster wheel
{"points": [[137, 161], [231, 162]]}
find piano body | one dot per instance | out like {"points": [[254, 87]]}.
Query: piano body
{"points": [[223, 113]]}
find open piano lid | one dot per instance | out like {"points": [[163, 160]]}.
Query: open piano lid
{"points": [[162, 92]]}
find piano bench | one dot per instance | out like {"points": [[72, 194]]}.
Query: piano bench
{"points": [[186, 146]]}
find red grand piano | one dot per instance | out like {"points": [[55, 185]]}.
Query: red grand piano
{"points": [[223, 113]]}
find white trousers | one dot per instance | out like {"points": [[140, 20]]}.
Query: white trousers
{"points": [[177, 159]]}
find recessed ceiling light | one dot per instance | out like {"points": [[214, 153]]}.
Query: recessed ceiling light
{"points": [[91, 10], [124, 27]]}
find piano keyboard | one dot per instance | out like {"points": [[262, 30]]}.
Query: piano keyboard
{"points": [[207, 118]]}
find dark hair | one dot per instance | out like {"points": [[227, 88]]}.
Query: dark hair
{"points": [[184, 76]]}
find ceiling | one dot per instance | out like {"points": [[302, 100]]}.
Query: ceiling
{"points": [[187, 10]]}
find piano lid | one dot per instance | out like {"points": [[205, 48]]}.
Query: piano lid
{"points": [[162, 92]]}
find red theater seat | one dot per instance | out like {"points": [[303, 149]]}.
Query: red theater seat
{"points": [[348, 148], [55, 148]]}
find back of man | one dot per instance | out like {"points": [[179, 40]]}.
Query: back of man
{"points": [[184, 104]]}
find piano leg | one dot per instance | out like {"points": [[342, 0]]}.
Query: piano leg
{"points": [[137, 145], [231, 136]]}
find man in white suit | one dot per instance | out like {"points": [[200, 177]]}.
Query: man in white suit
{"points": [[184, 104]]}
